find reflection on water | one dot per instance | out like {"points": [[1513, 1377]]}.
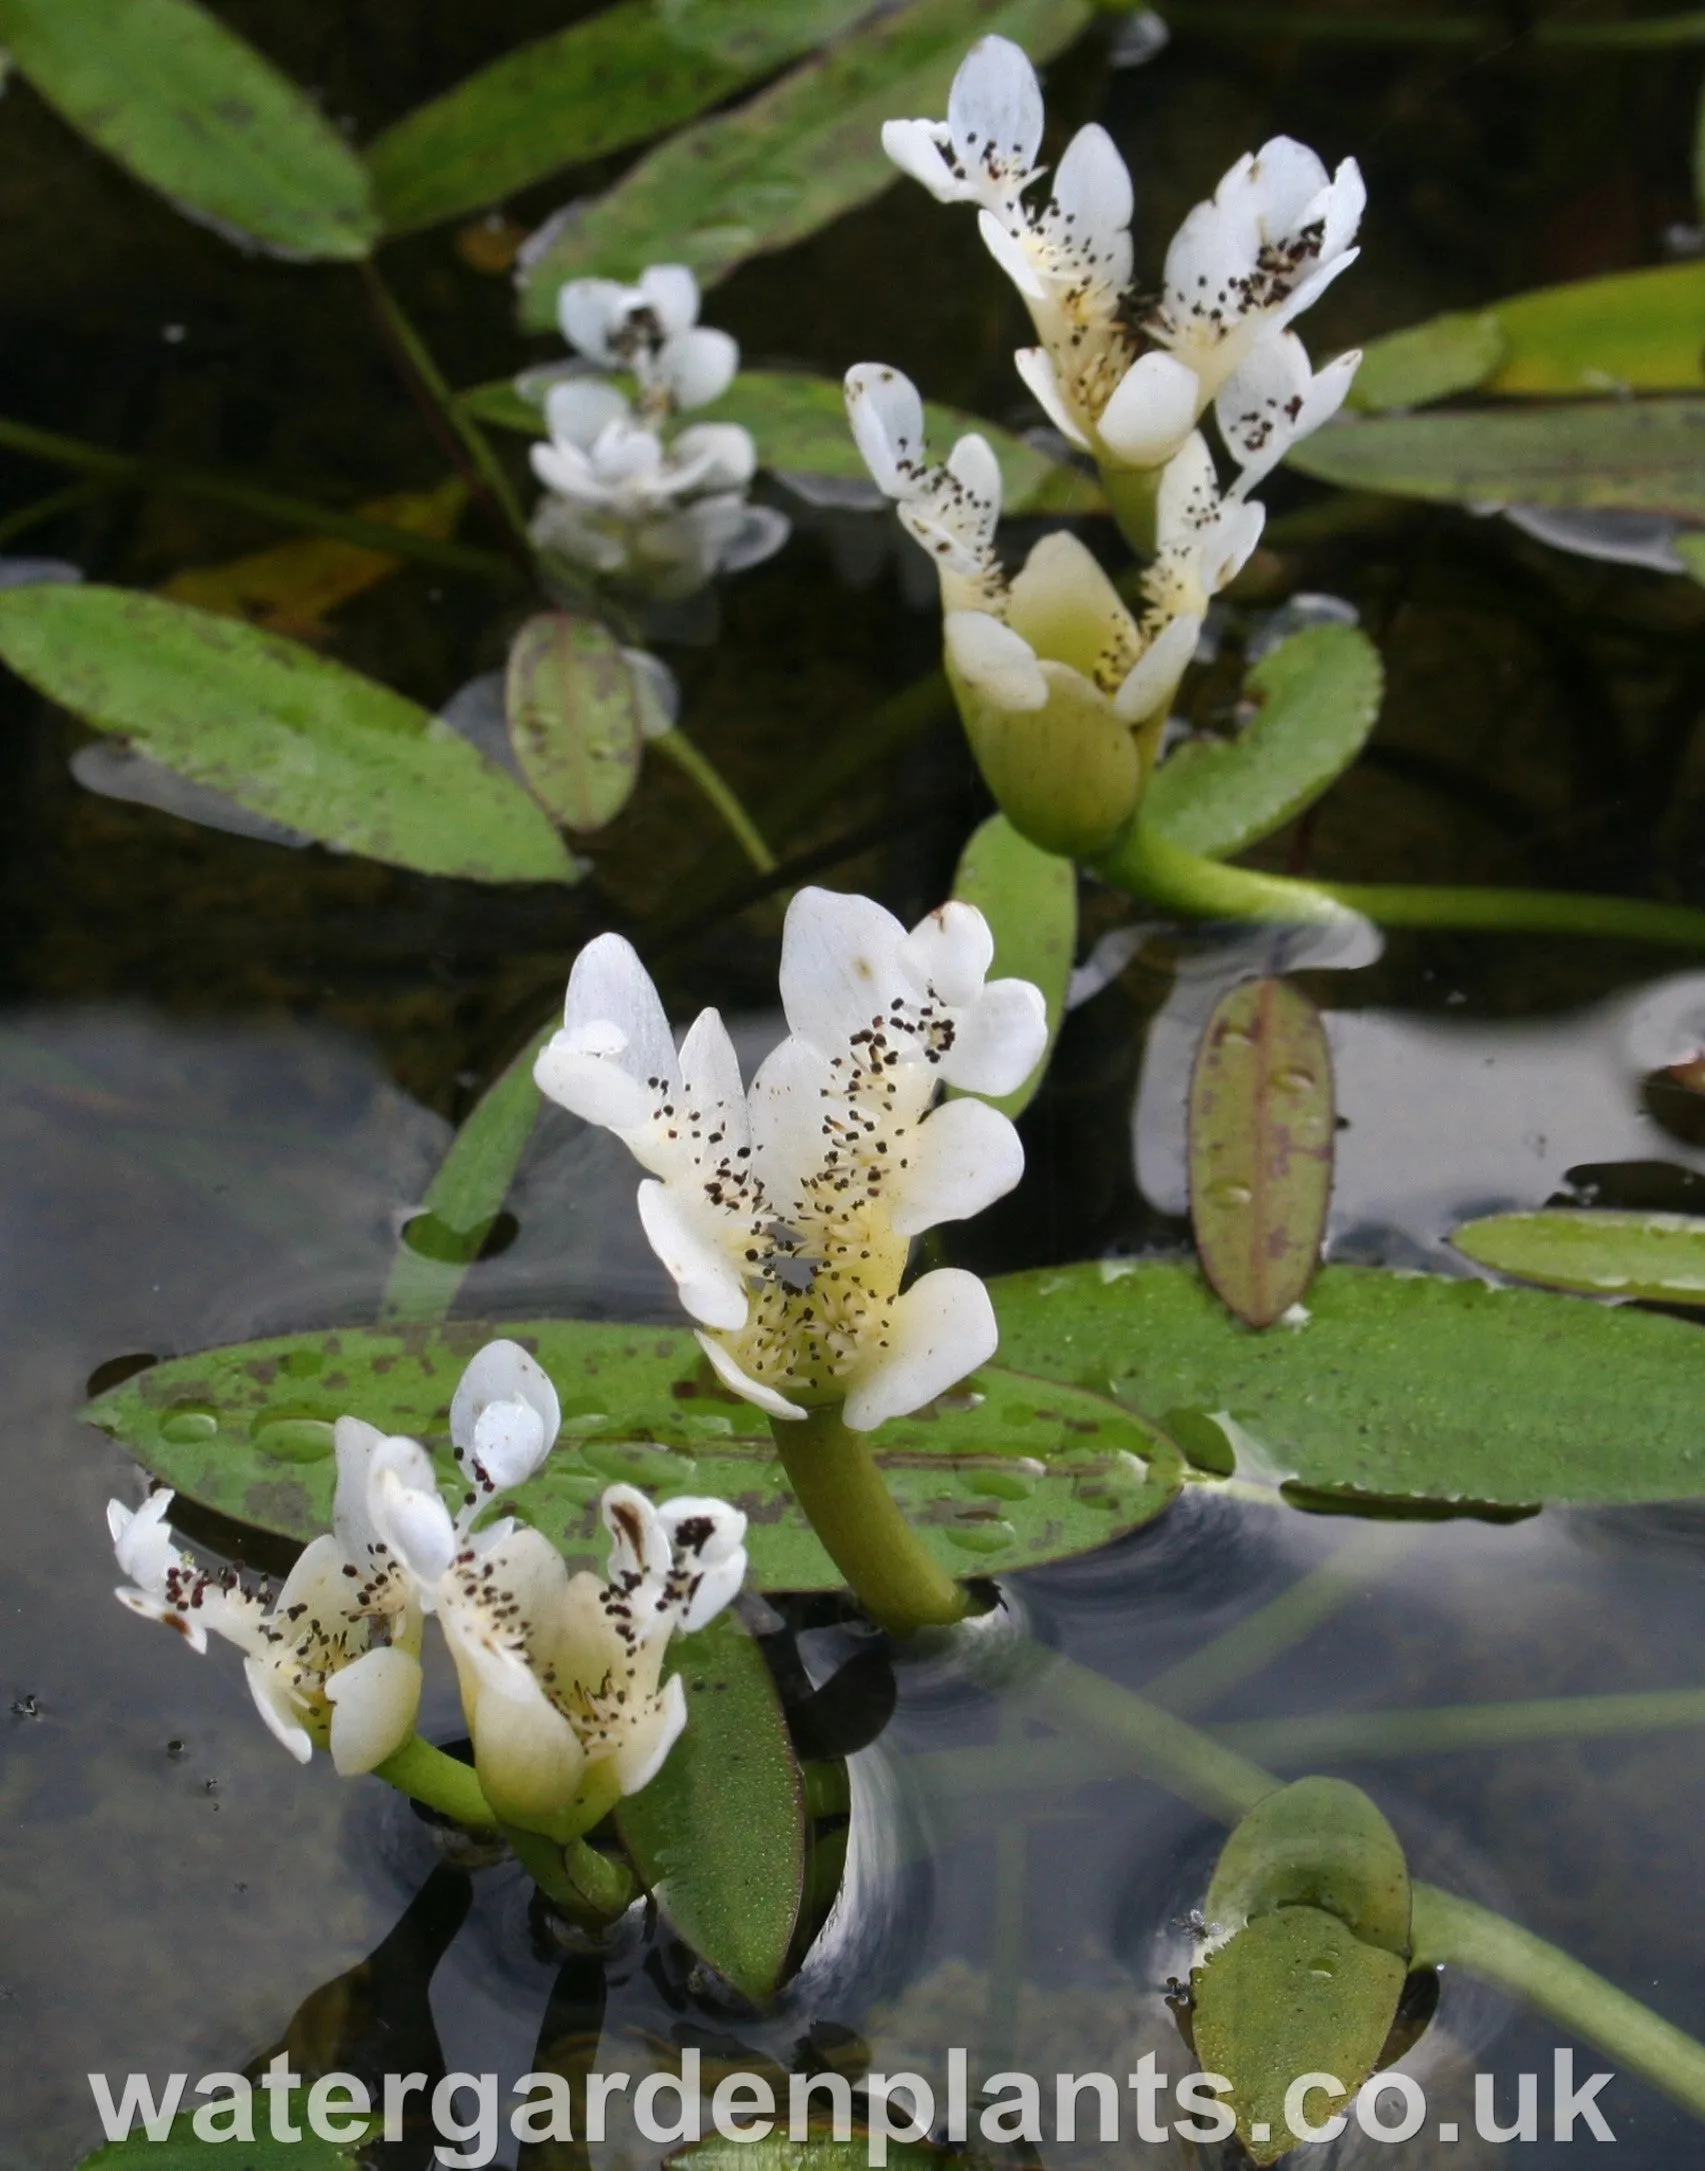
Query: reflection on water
{"points": [[173, 1890]]}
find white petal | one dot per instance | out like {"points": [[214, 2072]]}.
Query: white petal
{"points": [[1340, 207], [1188, 494], [787, 1109], [1064, 605], [722, 454], [963, 1156], [529, 1759], [142, 1539], [672, 294], [1010, 253], [698, 366], [995, 106], [999, 1040], [374, 1704], [1282, 182], [762, 531], [152, 1608], [278, 1708], [948, 953], [917, 148], [317, 1583], [589, 311], [615, 1039], [708, 1538], [503, 1373], [1236, 533], [641, 1756], [1152, 410], [597, 1088], [730, 1374], [838, 965], [1036, 366], [887, 418], [580, 409], [639, 1542], [1151, 684], [567, 472], [712, 1096], [416, 1526], [942, 1328], [1092, 185], [1000, 664], [706, 1279]]}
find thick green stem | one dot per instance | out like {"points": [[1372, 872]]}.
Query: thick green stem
{"points": [[587, 1886], [1338, 1737], [1132, 493], [441, 1782], [846, 1502], [714, 787], [1162, 873]]}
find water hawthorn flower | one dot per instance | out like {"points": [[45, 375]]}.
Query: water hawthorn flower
{"points": [[1063, 691], [1121, 380], [560, 1675], [785, 1211], [657, 511]]}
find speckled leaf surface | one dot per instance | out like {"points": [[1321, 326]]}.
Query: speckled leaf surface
{"points": [[1319, 695], [1399, 1386], [719, 1835], [574, 717], [1034, 1472], [1602, 1254], [188, 107], [790, 160], [284, 732], [1261, 1134]]}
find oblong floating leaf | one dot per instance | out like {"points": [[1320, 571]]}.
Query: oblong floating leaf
{"points": [[1399, 1388], [286, 733], [1319, 694], [719, 1835], [1596, 1252], [575, 717], [1452, 353], [791, 159], [1647, 455], [188, 107], [1318, 1843], [1029, 898], [1035, 1471], [1261, 1133]]}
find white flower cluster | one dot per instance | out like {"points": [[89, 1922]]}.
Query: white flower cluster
{"points": [[785, 1211], [560, 1675], [627, 500]]}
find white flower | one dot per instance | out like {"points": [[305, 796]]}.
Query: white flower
{"points": [[1274, 399], [785, 1213], [560, 1675], [952, 511], [1205, 540], [653, 330]]}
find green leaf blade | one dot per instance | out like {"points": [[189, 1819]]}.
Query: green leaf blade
{"points": [[719, 1835], [1029, 898], [574, 718], [1320, 694], [285, 732], [195, 113], [1599, 1253], [1261, 1134], [796, 156]]}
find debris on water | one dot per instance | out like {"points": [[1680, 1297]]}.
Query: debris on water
{"points": [[26, 1706]]}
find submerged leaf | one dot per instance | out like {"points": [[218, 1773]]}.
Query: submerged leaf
{"points": [[1261, 1130], [575, 717], [791, 159], [719, 1835], [287, 734], [187, 107], [1660, 1257], [1016, 1471], [1319, 693], [1648, 455], [1029, 898]]}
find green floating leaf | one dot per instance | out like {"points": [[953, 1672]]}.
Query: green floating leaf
{"points": [[719, 1835], [1319, 693], [191, 110], [575, 717], [1657, 1256], [284, 732], [631, 71], [466, 1196], [794, 157], [1034, 1472], [180, 2150], [1691, 551], [1261, 1132], [1428, 361], [1646, 455], [798, 422], [1319, 1843], [818, 2152], [1400, 1387], [1295, 1993], [1029, 898]]}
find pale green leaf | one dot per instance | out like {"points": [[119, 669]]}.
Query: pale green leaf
{"points": [[1657, 1256], [1317, 1843], [283, 731], [1429, 361], [181, 102], [575, 718], [1029, 898]]}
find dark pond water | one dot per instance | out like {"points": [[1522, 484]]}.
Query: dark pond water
{"points": [[227, 1070]]}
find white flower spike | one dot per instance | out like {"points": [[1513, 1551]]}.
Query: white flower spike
{"points": [[785, 1212]]}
